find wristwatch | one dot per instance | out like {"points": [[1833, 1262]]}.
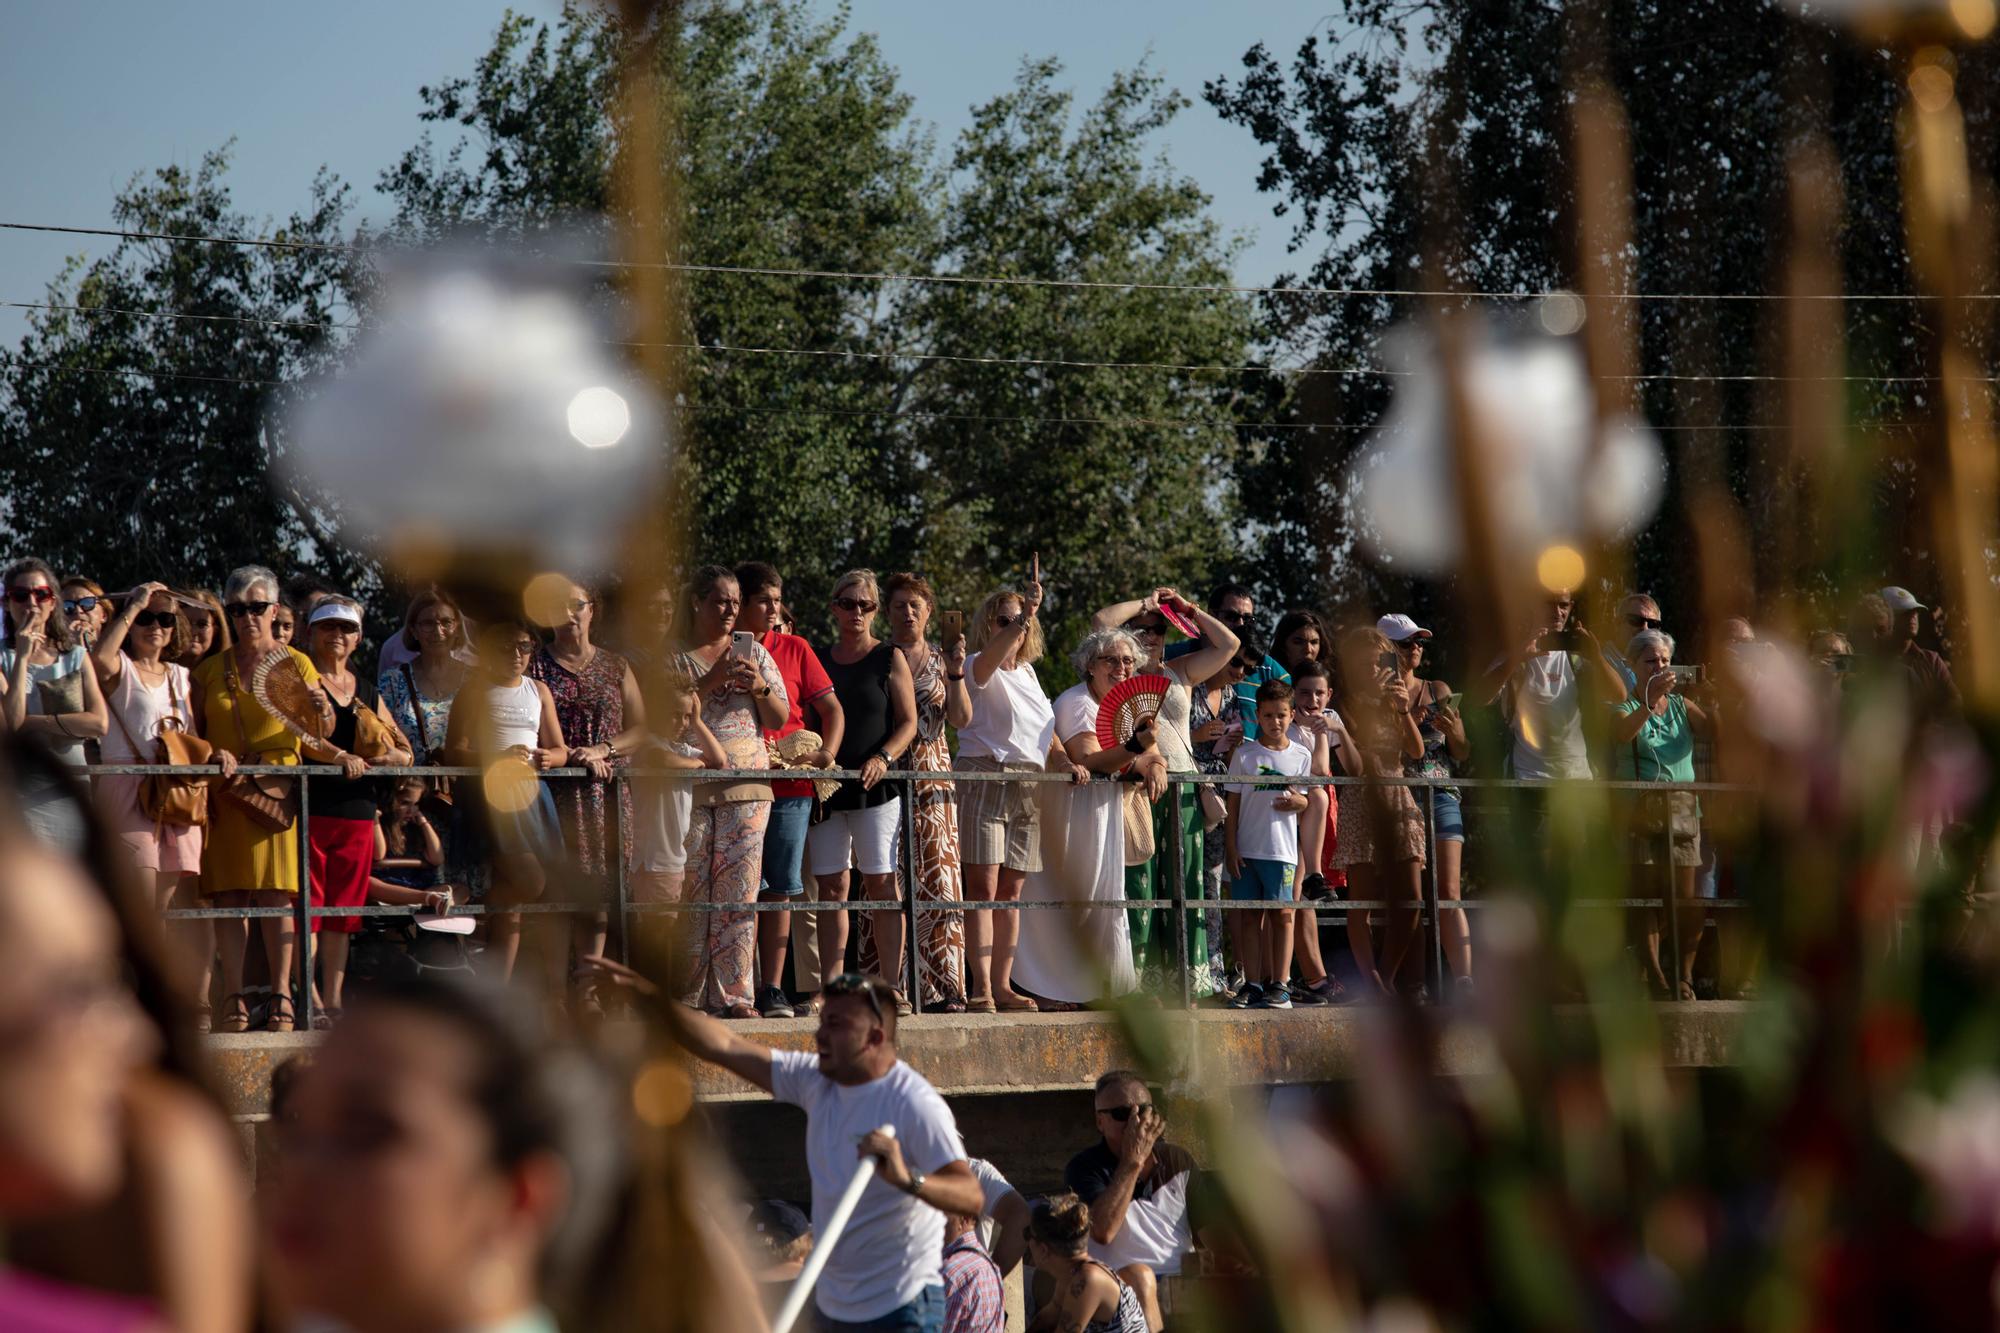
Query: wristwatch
{"points": [[883, 755], [917, 1179]]}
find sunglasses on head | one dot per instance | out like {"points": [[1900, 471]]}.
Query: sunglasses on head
{"points": [[854, 983], [238, 610], [75, 605], [1642, 622], [854, 604], [152, 619], [22, 596], [1122, 1113]]}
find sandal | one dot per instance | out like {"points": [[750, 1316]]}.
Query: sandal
{"points": [[814, 1005], [203, 1018], [281, 1018], [1013, 1002], [1062, 1007], [903, 1006], [980, 1004], [235, 1014], [950, 1002], [1684, 992]]}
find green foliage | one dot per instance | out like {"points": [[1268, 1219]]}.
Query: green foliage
{"points": [[117, 468]]}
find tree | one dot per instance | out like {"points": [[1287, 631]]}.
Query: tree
{"points": [[1432, 139], [134, 437]]}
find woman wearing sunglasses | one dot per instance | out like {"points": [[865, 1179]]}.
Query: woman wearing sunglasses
{"points": [[51, 695], [246, 863], [147, 692], [86, 608]]}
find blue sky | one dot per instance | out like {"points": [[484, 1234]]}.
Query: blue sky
{"points": [[92, 93]]}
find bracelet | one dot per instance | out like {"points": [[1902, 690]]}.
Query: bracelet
{"points": [[959, 676]]}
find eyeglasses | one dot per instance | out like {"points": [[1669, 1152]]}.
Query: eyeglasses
{"points": [[522, 648], [579, 603], [854, 983], [149, 619], [238, 610], [1642, 622], [437, 626], [854, 604], [1122, 1113], [80, 604], [22, 596], [1118, 661]]}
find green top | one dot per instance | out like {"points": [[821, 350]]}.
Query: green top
{"points": [[1663, 751]]}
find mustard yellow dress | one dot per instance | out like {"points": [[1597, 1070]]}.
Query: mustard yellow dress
{"points": [[241, 855]]}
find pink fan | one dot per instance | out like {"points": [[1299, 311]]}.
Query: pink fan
{"points": [[1128, 704], [277, 683]]}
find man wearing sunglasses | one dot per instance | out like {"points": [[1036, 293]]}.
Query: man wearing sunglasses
{"points": [[886, 1273], [1232, 604], [1138, 1187], [1636, 612]]}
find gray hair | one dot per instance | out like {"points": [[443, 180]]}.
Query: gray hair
{"points": [[1100, 641], [246, 580], [1650, 638]]}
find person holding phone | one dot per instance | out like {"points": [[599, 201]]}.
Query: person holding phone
{"points": [[1153, 938], [1540, 688], [864, 817], [742, 699], [1446, 750], [1381, 828]]}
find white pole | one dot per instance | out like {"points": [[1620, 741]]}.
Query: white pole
{"points": [[823, 1243]]}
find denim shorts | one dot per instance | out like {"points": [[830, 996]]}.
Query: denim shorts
{"points": [[1263, 881], [925, 1314], [784, 848], [1448, 815]]}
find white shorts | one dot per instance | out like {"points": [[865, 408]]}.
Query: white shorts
{"points": [[864, 839]]}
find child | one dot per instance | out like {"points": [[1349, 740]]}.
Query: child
{"points": [[1317, 728], [1261, 837], [663, 809], [408, 850], [505, 724]]}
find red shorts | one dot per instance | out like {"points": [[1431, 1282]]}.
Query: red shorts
{"points": [[340, 856]]}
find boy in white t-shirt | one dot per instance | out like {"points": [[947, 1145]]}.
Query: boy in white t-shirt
{"points": [[1261, 842]]}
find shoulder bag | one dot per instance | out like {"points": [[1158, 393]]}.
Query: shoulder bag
{"points": [[170, 798], [268, 801]]}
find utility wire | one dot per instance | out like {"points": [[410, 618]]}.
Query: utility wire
{"points": [[845, 275]]}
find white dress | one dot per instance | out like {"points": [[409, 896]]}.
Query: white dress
{"points": [[1083, 954]]}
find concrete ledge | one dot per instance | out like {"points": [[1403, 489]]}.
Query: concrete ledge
{"points": [[983, 1055]]}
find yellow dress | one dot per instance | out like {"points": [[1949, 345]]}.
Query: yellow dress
{"points": [[241, 855]]}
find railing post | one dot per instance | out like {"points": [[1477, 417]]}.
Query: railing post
{"points": [[1668, 896], [1177, 870], [912, 966], [620, 888], [301, 911], [1431, 891]]}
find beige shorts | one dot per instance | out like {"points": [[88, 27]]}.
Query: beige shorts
{"points": [[1679, 842], [999, 823]]}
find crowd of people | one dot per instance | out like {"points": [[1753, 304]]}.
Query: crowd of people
{"points": [[158, 674]]}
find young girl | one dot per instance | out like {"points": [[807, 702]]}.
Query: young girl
{"points": [[505, 724], [664, 808], [1318, 728], [408, 851]]}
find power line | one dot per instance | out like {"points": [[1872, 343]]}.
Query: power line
{"points": [[963, 279], [1181, 423], [1359, 372]]}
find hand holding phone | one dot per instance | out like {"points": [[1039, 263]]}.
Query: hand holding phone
{"points": [[951, 626], [742, 645]]}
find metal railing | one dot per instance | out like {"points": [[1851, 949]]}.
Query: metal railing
{"points": [[909, 903]]}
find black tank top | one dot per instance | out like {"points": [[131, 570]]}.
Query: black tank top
{"points": [[863, 691], [337, 798]]}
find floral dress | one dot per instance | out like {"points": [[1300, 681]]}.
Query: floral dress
{"points": [[590, 705], [940, 935]]}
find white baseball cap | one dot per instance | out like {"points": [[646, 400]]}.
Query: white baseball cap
{"points": [[1400, 627], [1901, 600]]}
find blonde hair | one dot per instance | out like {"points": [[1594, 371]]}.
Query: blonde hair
{"points": [[861, 578], [981, 630], [1352, 638]]}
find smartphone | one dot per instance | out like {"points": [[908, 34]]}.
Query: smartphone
{"points": [[952, 625], [1562, 641], [742, 645], [1450, 703], [1685, 676], [1386, 661]]}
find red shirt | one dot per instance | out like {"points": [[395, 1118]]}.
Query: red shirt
{"points": [[805, 680]]}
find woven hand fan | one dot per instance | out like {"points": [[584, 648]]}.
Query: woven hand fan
{"points": [[277, 683], [1127, 704]]}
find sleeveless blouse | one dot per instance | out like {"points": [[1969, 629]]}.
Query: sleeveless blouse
{"points": [[863, 690]]}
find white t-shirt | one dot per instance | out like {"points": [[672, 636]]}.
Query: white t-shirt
{"points": [[1263, 833], [1011, 720], [662, 810], [1548, 722], [1075, 712], [993, 1187], [894, 1245]]}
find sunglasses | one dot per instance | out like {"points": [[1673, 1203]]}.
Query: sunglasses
{"points": [[1245, 667], [1234, 617], [239, 610], [854, 983], [150, 619], [854, 604], [1642, 622], [81, 604], [521, 648], [1007, 622], [1153, 627], [1122, 1113], [339, 626], [22, 596]]}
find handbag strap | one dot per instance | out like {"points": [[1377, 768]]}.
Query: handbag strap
{"points": [[116, 716], [416, 705], [231, 684]]}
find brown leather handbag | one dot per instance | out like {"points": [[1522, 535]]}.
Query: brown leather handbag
{"points": [[167, 798]]}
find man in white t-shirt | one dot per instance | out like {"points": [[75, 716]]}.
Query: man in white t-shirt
{"points": [[886, 1272], [1540, 690]]}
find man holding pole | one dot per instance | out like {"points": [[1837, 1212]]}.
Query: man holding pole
{"points": [[885, 1271]]}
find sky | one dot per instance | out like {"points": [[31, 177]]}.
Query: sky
{"points": [[94, 93]]}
